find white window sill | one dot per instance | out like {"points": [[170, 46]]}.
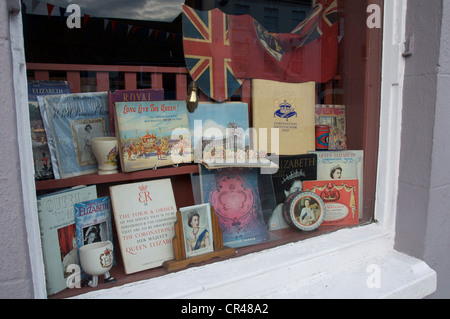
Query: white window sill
{"points": [[342, 264]]}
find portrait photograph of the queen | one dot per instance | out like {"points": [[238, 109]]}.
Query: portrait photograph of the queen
{"points": [[197, 228]]}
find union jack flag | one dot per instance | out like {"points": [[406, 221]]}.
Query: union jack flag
{"points": [[307, 53], [207, 52], [324, 15]]}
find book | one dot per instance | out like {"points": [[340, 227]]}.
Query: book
{"points": [[334, 117], [144, 215], [131, 96], [233, 192], [340, 198], [71, 121], [41, 152], [342, 165], [219, 132], [288, 107], [93, 222], [58, 233], [292, 171], [152, 134]]}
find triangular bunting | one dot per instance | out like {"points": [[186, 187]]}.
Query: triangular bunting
{"points": [[105, 23], [34, 4], [85, 19], [50, 9]]}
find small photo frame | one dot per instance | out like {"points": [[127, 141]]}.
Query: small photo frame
{"points": [[197, 229]]}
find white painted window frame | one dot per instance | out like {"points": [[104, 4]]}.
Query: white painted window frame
{"points": [[357, 262]]}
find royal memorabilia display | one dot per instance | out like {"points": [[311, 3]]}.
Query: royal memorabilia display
{"points": [[221, 50], [333, 117], [207, 52], [309, 52], [322, 136], [292, 171], [233, 192], [288, 107], [93, 222], [152, 134], [304, 211], [335, 165], [106, 152], [56, 213], [131, 96], [144, 215], [41, 152], [219, 132], [96, 259], [71, 121], [340, 198], [197, 229], [191, 247]]}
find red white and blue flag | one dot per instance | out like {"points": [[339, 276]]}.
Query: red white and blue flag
{"points": [[207, 52], [221, 50]]}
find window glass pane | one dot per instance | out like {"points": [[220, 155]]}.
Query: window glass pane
{"points": [[271, 19], [241, 9], [293, 67]]}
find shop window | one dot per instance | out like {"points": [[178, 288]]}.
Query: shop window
{"points": [[113, 51], [271, 19], [241, 9], [297, 17]]}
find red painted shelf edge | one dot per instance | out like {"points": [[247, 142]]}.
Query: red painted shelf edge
{"points": [[91, 179]]}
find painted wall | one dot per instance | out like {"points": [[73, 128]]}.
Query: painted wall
{"points": [[423, 219], [15, 276]]}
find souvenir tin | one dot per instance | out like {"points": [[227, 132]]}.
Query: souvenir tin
{"points": [[304, 211], [322, 135]]}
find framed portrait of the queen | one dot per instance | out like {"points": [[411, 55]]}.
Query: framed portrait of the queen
{"points": [[197, 229]]}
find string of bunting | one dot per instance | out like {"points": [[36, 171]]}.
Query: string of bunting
{"points": [[34, 6]]}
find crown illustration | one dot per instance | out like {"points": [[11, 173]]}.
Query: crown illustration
{"points": [[143, 188], [293, 175], [285, 107]]}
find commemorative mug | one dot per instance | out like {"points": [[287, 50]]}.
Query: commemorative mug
{"points": [[105, 151]]}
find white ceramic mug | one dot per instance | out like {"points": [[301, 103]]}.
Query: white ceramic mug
{"points": [[105, 151], [96, 259]]}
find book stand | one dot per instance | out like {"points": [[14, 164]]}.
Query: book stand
{"points": [[180, 261]]}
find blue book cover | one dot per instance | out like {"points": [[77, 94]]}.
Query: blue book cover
{"points": [[218, 129], [93, 222], [71, 121], [41, 153], [233, 192]]}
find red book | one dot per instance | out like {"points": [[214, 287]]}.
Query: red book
{"points": [[340, 198]]}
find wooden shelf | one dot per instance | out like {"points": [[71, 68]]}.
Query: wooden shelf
{"points": [[277, 238], [91, 179]]}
